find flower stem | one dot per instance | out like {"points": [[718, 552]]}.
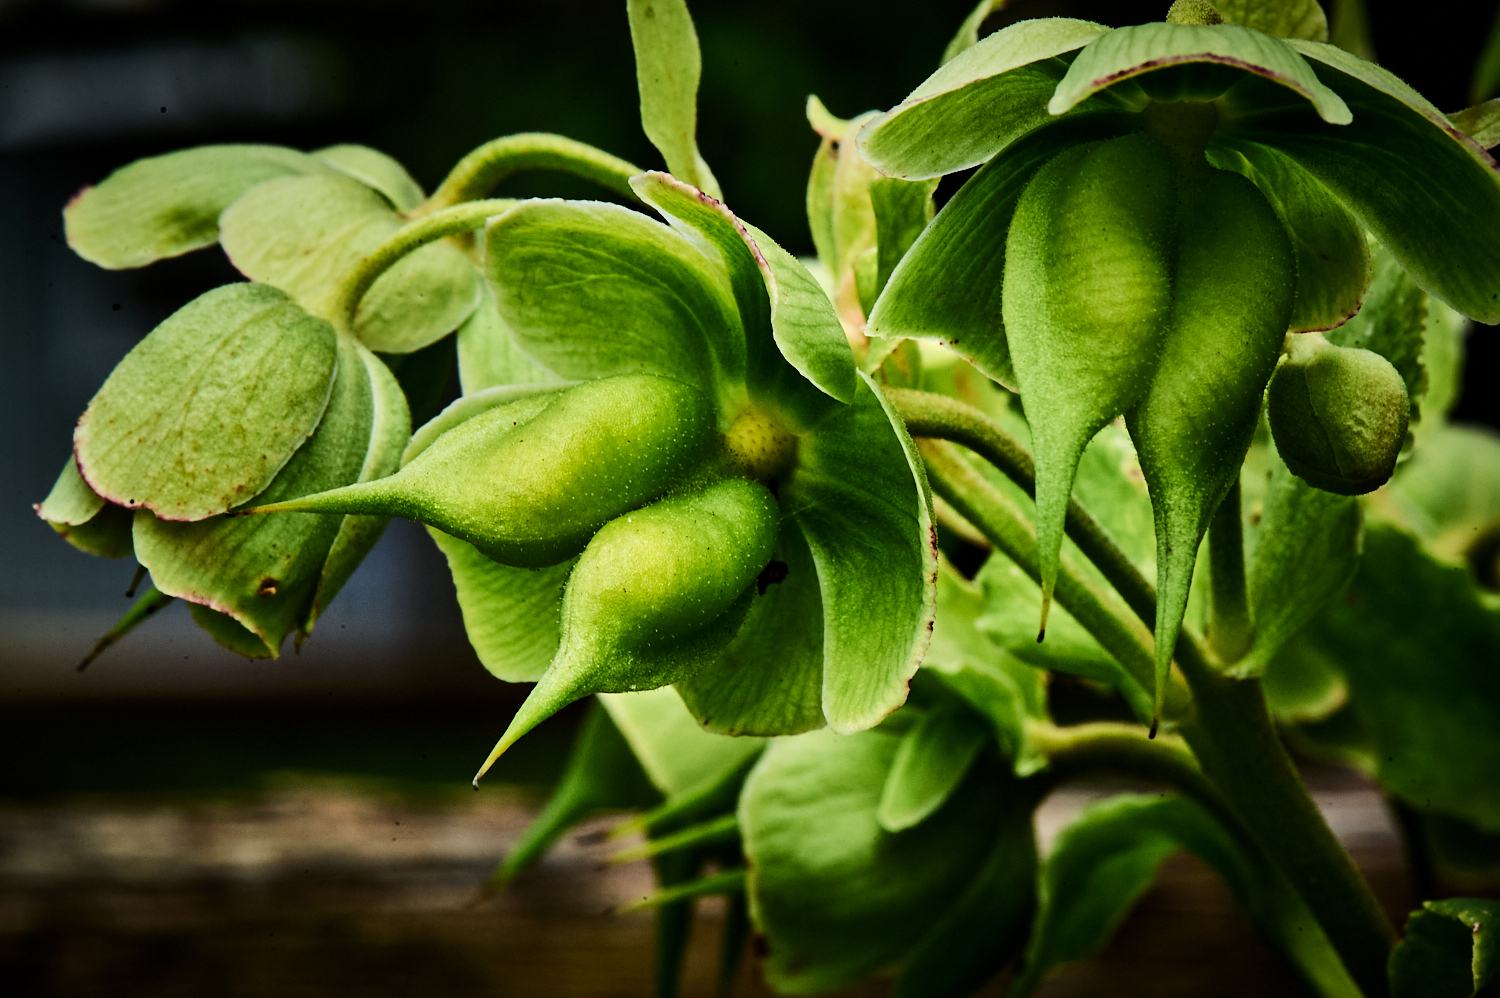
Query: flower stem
{"points": [[411, 236], [476, 174], [1229, 626]]}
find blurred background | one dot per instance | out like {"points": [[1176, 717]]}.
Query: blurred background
{"points": [[387, 692]]}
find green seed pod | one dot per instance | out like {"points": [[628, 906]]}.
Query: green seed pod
{"points": [[1338, 415], [658, 594], [1232, 299], [1086, 294], [529, 482]]}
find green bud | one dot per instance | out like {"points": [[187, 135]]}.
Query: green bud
{"points": [[1086, 294], [658, 594], [529, 482], [1338, 415]]}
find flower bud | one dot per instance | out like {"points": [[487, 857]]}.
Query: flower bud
{"points": [[1338, 415], [529, 482]]}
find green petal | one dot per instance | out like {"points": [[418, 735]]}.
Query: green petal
{"points": [[947, 286], [593, 290], [667, 68], [859, 495], [932, 760], [1428, 192], [968, 32], [489, 355], [374, 168], [71, 501], [976, 105], [770, 681], [678, 755], [902, 211], [203, 413], [1280, 19], [168, 205], [1333, 258], [306, 234], [1128, 53], [82, 517], [1480, 123], [264, 571]]}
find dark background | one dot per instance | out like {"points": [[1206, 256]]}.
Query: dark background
{"points": [[388, 684]]}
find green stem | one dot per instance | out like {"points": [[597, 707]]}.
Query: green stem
{"points": [[476, 174], [1229, 627], [411, 236]]}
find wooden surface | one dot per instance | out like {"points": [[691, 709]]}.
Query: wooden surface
{"points": [[328, 888]]}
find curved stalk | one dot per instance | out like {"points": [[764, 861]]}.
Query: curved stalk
{"points": [[411, 236], [476, 174]]}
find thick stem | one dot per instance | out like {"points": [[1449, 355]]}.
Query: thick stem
{"points": [[411, 236], [1229, 628], [476, 174]]}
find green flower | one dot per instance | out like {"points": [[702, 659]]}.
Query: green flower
{"points": [[1155, 207]]}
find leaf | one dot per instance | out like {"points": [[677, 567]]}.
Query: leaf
{"points": [[83, 518], [667, 68], [1301, 555], [947, 286], [1480, 123], [1443, 359], [1487, 70], [1418, 648], [1303, 685], [987, 97], [1450, 951], [208, 408], [770, 681], [489, 353], [1391, 324], [168, 205], [145, 605], [1143, 49], [305, 235], [837, 896], [932, 760], [859, 496], [1428, 192], [264, 571], [678, 755], [1449, 492], [1333, 259], [1278, 18], [1351, 29], [374, 168], [593, 290], [601, 774]]}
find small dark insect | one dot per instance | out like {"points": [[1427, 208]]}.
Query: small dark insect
{"points": [[770, 575]]}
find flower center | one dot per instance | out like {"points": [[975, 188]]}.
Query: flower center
{"points": [[758, 447], [1184, 127]]}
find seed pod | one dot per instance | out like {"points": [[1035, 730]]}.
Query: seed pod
{"points": [[1338, 415], [1086, 294], [658, 594], [528, 483], [1232, 298]]}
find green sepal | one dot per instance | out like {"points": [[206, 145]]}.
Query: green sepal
{"points": [[1127, 57], [1480, 123], [165, 206], [932, 760], [684, 762], [1426, 190], [306, 234], [967, 34], [667, 68], [374, 168], [902, 210], [82, 517], [1450, 951], [1277, 18], [489, 354], [146, 604], [230, 633], [205, 411], [985, 98]]}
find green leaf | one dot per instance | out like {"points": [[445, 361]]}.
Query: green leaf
{"points": [[987, 97], [678, 755], [859, 495], [264, 571], [1391, 324], [932, 760], [1278, 18], [207, 409], [770, 681], [593, 290], [1333, 258], [1450, 951], [1303, 685], [83, 518], [306, 234], [1480, 123], [1351, 29], [1428, 192], [489, 354], [1443, 359], [374, 168], [1449, 492], [168, 205], [667, 68], [1128, 53], [837, 896], [1301, 555], [1418, 648], [947, 286], [1487, 70]]}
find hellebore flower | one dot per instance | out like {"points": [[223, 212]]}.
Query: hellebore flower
{"points": [[715, 498], [1155, 208]]}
